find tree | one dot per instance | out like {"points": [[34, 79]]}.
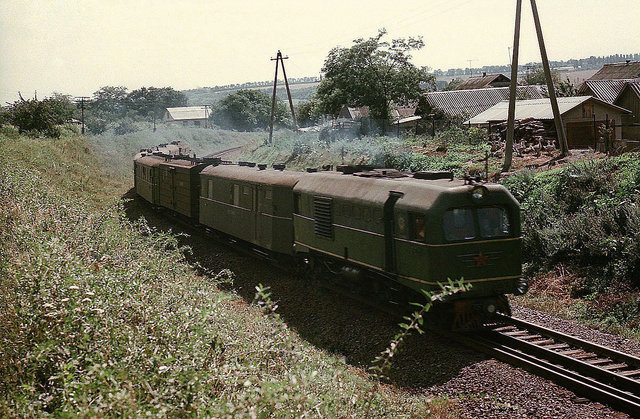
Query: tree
{"points": [[308, 113], [373, 73], [536, 77], [247, 110], [453, 84], [110, 102], [41, 116], [146, 102]]}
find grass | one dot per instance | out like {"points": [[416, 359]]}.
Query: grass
{"points": [[102, 316]]}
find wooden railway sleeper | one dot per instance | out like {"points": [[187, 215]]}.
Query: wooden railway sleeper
{"points": [[586, 386], [578, 363]]}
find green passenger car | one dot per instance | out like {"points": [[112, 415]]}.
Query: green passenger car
{"points": [[179, 185], [420, 232], [251, 204], [145, 169]]}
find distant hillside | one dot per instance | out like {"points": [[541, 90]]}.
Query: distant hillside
{"points": [[300, 91]]}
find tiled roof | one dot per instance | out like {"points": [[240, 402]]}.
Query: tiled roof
{"points": [[479, 82], [469, 103], [618, 71]]}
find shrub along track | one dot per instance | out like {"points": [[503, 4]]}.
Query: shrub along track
{"points": [[428, 364]]}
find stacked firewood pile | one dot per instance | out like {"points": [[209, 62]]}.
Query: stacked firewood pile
{"points": [[529, 137]]}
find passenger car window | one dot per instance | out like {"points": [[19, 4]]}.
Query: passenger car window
{"points": [[493, 222], [458, 224]]}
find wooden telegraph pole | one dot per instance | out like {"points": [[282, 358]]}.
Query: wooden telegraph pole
{"points": [[562, 137], [280, 58], [82, 99], [508, 149]]}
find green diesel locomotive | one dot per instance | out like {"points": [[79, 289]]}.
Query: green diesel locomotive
{"points": [[373, 226]]}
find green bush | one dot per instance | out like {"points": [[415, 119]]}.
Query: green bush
{"points": [[586, 216]]}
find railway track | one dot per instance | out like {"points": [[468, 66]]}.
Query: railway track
{"points": [[223, 153], [590, 370]]}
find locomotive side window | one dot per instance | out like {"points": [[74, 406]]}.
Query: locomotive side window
{"points": [[458, 224], [493, 222], [296, 203], [236, 195], [417, 227]]}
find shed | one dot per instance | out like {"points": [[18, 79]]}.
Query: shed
{"points": [[469, 103], [581, 115], [629, 98], [484, 81], [606, 90], [187, 115]]}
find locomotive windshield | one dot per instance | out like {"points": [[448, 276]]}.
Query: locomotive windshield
{"points": [[493, 222], [460, 223]]}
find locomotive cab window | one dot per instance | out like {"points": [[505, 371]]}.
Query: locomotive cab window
{"points": [[458, 224], [493, 222], [417, 227]]}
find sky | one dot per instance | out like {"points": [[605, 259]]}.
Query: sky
{"points": [[76, 47]]}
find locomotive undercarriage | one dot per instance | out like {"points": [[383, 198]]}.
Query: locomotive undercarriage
{"points": [[382, 290]]}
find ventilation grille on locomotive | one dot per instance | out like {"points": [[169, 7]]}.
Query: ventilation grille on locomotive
{"points": [[322, 216]]}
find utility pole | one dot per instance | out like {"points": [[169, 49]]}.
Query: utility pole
{"points": [[562, 136], [82, 99], [280, 58], [471, 69], [508, 148]]}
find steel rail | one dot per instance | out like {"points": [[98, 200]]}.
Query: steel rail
{"points": [[580, 384]]}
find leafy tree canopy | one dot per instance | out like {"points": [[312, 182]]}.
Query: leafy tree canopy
{"points": [[110, 100], [248, 110], [373, 73], [562, 87], [41, 116], [148, 101]]}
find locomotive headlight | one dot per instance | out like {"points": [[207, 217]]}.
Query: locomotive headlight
{"points": [[478, 192]]}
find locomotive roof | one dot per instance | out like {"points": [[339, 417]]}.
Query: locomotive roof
{"points": [[149, 160], [418, 193], [180, 163], [254, 175]]}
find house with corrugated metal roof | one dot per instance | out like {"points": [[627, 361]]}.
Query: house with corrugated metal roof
{"points": [[197, 116], [581, 116], [629, 98], [484, 81], [469, 103]]}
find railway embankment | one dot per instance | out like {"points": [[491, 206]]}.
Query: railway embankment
{"points": [[107, 313], [103, 315]]}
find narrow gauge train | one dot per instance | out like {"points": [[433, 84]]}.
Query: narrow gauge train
{"points": [[373, 226]]}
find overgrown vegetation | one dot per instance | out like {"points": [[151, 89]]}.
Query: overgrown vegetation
{"points": [[103, 316], [457, 150], [249, 110], [40, 117], [584, 219]]}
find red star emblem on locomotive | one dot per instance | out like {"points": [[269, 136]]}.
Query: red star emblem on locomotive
{"points": [[481, 260]]}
